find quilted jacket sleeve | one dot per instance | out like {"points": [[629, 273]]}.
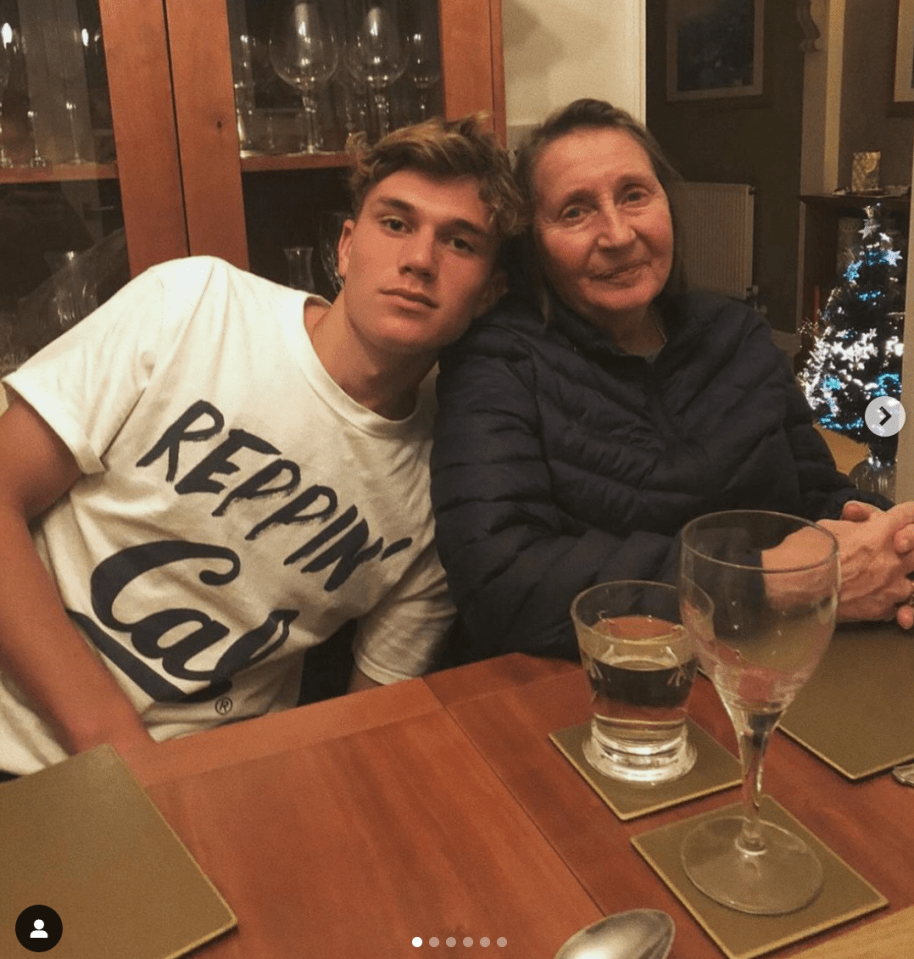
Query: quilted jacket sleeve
{"points": [[514, 561]]}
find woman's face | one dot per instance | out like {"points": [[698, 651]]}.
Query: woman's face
{"points": [[603, 226]]}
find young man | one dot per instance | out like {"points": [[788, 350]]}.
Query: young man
{"points": [[212, 473]]}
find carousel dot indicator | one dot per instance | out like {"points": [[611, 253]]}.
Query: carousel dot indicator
{"points": [[417, 941], [501, 941]]}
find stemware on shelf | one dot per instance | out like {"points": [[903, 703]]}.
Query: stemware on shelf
{"points": [[67, 45], [759, 593], [74, 132], [244, 91], [298, 266], [304, 52], [352, 96], [423, 58], [5, 65], [73, 289], [376, 51], [36, 160]]}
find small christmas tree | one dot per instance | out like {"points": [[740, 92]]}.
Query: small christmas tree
{"points": [[857, 357]]}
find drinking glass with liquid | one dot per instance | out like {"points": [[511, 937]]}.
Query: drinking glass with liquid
{"points": [[641, 664]]}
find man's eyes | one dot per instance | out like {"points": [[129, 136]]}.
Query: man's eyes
{"points": [[394, 223], [462, 244]]}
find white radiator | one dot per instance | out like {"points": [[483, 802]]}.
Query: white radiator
{"points": [[715, 232]]}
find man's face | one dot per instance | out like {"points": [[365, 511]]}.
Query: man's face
{"points": [[417, 263]]}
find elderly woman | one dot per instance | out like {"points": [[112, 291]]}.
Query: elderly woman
{"points": [[600, 407]]}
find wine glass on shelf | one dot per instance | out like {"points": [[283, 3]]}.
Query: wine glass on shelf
{"points": [[352, 96], [304, 53], [36, 161], [243, 77], [74, 132], [5, 66], [68, 44], [758, 594], [376, 51], [423, 62], [298, 266]]}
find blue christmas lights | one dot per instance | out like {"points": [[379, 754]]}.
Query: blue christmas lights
{"points": [[857, 355]]}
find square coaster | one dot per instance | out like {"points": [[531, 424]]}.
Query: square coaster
{"points": [[845, 894], [715, 769]]}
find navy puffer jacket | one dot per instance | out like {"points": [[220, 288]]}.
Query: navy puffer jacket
{"points": [[560, 462]]}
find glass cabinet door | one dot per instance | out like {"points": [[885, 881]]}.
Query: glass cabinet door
{"points": [[307, 75], [137, 131], [71, 230], [289, 82]]}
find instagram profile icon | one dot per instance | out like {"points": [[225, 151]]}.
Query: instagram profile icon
{"points": [[39, 928]]}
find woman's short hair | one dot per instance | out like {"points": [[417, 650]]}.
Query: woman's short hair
{"points": [[447, 150], [593, 114]]}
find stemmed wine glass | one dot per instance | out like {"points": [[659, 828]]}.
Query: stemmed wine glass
{"points": [[5, 65], [244, 86], [423, 60], [304, 53], [36, 161], [68, 46], [758, 593], [376, 51]]}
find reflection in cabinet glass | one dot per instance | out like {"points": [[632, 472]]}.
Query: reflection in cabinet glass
{"points": [[62, 240]]}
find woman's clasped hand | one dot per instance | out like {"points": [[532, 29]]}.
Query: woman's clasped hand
{"points": [[877, 557]]}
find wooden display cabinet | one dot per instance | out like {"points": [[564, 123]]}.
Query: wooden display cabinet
{"points": [[179, 180], [231, 198]]}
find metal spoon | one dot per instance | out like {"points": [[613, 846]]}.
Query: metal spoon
{"points": [[904, 774], [638, 934]]}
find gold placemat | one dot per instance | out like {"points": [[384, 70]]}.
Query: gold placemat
{"points": [[845, 893], [83, 838], [857, 711], [715, 769]]}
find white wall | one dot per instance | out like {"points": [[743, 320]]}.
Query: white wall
{"points": [[558, 50]]}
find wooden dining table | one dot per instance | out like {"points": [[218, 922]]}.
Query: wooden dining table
{"points": [[436, 818]]}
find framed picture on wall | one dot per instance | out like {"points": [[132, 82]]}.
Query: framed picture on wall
{"points": [[714, 48], [904, 53]]}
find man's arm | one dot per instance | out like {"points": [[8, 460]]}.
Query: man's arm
{"points": [[39, 646]]}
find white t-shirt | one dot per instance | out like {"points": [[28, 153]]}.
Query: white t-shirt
{"points": [[237, 508]]}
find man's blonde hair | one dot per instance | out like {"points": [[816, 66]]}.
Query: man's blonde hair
{"points": [[445, 150]]}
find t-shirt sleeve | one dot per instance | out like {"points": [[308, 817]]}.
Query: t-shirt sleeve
{"points": [[401, 637]]}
